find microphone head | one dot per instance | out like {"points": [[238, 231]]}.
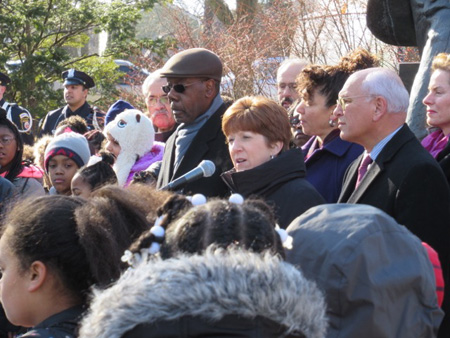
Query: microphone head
{"points": [[208, 167]]}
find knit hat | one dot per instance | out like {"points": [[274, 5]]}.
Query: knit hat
{"points": [[70, 144], [115, 109], [194, 62], [135, 133]]}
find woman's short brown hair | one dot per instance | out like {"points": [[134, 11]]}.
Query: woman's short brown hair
{"points": [[260, 115], [442, 62]]}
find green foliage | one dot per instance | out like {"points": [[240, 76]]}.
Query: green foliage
{"points": [[45, 37]]}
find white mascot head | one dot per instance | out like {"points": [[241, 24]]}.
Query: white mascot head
{"points": [[135, 134]]}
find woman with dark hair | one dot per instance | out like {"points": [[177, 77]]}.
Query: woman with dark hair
{"points": [[258, 135], [219, 273], [327, 156], [25, 176]]}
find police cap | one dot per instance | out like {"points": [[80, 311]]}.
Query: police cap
{"points": [[75, 77], [4, 79]]}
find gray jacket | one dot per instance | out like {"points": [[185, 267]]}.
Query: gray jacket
{"points": [[376, 275]]}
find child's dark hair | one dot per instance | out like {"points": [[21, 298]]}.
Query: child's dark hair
{"points": [[119, 219], [45, 229], [76, 124], [250, 225], [16, 163], [81, 241], [100, 173], [95, 139]]}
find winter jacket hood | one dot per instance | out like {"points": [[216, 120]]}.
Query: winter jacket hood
{"points": [[209, 286], [376, 275]]}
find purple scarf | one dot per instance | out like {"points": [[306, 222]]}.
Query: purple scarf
{"points": [[435, 142]]}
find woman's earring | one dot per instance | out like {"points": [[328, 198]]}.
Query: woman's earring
{"points": [[332, 123], [272, 157]]}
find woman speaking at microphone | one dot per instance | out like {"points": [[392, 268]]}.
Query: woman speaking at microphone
{"points": [[258, 135]]}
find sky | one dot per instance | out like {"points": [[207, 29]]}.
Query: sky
{"points": [[196, 6]]}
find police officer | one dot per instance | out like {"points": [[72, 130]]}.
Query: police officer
{"points": [[76, 88], [15, 113]]}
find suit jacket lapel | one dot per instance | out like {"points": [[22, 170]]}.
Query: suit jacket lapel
{"points": [[377, 167], [369, 177]]}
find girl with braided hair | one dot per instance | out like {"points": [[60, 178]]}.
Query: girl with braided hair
{"points": [[212, 270], [94, 175]]}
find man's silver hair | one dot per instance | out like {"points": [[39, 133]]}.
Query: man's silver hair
{"points": [[290, 62], [149, 80], [386, 83]]}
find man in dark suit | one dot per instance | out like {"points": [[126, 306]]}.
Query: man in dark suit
{"points": [[403, 179], [193, 87]]}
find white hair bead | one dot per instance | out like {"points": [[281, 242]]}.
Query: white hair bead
{"points": [[236, 199], [154, 248], [198, 199], [157, 230]]}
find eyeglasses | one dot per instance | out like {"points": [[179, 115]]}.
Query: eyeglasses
{"points": [[343, 101], [153, 100], [291, 85], [179, 88], [6, 141]]}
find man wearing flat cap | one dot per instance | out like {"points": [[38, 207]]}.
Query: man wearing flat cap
{"points": [[193, 87], [76, 88], [15, 113]]}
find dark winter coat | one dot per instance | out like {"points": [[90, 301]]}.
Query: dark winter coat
{"points": [[326, 167], [280, 182]]}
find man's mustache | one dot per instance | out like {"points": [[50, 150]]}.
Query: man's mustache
{"points": [[287, 99]]}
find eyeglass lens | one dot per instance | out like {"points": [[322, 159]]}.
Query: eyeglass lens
{"points": [[153, 100], [6, 140]]}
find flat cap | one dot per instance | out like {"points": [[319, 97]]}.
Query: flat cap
{"points": [[194, 62], [4, 79], [75, 77]]}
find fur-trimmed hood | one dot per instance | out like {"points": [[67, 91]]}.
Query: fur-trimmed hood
{"points": [[209, 286]]}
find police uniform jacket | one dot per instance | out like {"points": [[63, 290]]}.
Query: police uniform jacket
{"points": [[21, 118], [55, 116]]}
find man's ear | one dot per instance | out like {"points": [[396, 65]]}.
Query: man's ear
{"points": [[37, 275], [210, 86], [380, 108]]}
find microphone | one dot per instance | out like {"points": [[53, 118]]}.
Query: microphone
{"points": [[205, 169]]}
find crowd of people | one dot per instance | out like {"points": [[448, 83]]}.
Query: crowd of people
{"points": [[323, 214]]}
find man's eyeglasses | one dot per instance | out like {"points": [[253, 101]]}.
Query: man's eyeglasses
{"points": [[343, 101], [6, 141], [179, 88], [153, 100]]}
